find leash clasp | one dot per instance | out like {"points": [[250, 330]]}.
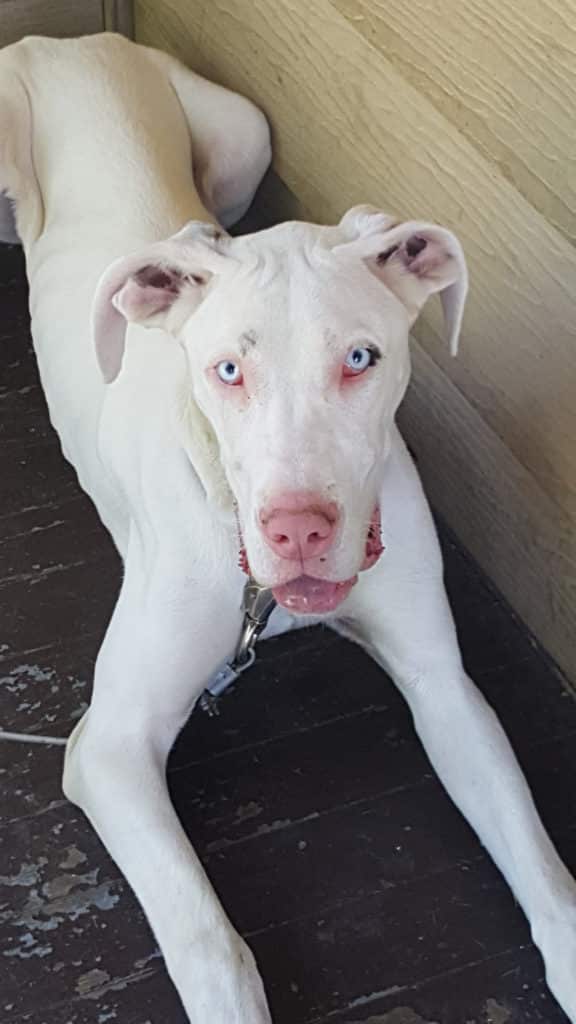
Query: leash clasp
{"points": [[258, 603]]}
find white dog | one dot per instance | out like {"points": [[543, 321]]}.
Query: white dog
{"points": [[253, 422]]}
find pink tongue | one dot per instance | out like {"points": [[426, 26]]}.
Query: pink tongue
{"points": [[309, 596]]}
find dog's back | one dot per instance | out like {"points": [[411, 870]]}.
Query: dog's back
{"points": [[98, 161], [106, 146], [103, 126], [101, 141]]}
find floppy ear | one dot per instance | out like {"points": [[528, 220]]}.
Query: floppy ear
{"points": [[145, 286], [413, 260]]}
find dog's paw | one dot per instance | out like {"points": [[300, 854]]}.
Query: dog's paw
{"points": [[556, 939], [219, 982]]}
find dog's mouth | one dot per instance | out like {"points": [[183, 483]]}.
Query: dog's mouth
{"points": [[374, 545], [311, 595]]}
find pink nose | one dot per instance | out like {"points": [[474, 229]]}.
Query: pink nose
{"points": [[299, 533]]}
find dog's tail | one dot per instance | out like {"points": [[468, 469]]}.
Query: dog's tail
{"points": [[18, 181]]}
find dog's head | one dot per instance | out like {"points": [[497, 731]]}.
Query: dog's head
{"points": [[297, 346]]}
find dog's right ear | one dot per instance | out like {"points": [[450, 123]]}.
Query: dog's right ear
{"points": [[144, 288]]}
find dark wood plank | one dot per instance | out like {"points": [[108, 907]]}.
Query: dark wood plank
{"points": [[315, 877], [46, 693], [38, 477], [295, 776], [43, 538], [318, 965], [303, 679], [30, 777], [530, 701], [70, 925], [57, 604], [347, 854], [253, 791], [505, 989], [97, 995], [299, 681], [303, 884], [146, 996]]}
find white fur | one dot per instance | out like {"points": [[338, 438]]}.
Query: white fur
{"points": [[97, 141]]}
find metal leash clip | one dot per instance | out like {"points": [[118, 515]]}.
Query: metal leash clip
{"points": [[257, 605]]}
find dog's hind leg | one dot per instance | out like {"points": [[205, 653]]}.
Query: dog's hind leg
{"points": [[230, 142]]}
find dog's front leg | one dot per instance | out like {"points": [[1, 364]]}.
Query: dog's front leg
{"points": [[474, 760], [163, 643], [406, 624]]}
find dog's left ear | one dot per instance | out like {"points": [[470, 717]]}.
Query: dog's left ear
{"points": [[414, 260]]}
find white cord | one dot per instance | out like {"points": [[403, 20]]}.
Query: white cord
{"points": [[22, 737]]}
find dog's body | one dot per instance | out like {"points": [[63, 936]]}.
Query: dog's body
{"points": [[98, 138]]}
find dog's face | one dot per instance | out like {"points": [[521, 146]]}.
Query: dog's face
{"points": [[297, 344]]}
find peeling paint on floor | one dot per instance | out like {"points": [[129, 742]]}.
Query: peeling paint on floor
{"points": [[73, 858], [28, 875], [92, 979], [145, 960], [79, 902], [65, 897], [18, 679], [247, 811], [106, 1015], [62, 885], [496, 1013], [400, 1015], [27, 948], [97, 983]]}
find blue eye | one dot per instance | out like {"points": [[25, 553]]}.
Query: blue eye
{"points": [[358, 360], [229, 372]]}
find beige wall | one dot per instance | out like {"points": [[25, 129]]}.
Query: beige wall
{"points": [[462, 112]]}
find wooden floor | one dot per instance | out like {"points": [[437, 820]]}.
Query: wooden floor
{"points": [[362, 892]]}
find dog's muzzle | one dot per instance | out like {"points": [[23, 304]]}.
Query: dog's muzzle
{"points": [[309, 595]]}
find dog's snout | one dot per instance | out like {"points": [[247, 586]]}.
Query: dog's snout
{"points": [[298, 535], [299, 527]]}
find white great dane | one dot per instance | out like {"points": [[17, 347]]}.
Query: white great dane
{"points": [[222, 396]]}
